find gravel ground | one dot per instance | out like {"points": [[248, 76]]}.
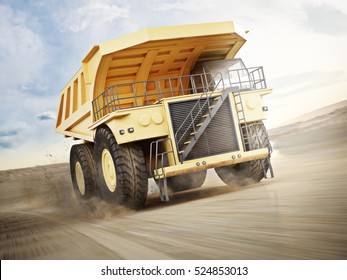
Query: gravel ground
{"points": [[300, 214]]}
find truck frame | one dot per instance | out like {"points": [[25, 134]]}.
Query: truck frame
{"points": [[165, 103]]}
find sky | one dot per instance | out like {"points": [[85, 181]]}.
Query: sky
{"points": [[300, 43]]}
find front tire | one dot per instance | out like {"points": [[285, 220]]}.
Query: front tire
{"points": [[187, 181], [120, 171], [246, 173], [82, 170], [241, 174]]}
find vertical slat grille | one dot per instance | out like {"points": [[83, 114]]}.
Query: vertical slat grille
{"points": [[219, 137]]}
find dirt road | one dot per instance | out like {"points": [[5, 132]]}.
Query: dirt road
{"points": [[301, 214]]}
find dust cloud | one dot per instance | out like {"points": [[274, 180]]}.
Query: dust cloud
{"points": [[300, 214]]}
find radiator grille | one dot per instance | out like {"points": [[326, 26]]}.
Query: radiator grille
{"points": [[219, 136]]}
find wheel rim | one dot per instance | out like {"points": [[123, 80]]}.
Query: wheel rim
{"points": [[80, 178], [109, 170]]}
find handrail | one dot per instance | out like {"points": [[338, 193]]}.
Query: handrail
{"points": [[157, 154], [191, 78], [254, 80], [111, 99], [190, 114], [106, 99]]}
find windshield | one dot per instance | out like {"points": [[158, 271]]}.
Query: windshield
{"points": [[234, 72]]}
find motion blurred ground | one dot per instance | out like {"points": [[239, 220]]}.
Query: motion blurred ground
{"points": [[301, 214]]}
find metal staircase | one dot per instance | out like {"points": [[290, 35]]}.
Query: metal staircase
{"points": [[199, 117]]}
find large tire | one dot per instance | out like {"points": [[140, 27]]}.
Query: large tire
{"points": [[187, 181], [120, 171], [246, 173], [82, 170]]}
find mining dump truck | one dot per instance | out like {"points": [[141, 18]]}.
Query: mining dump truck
{"points": [[165, 103]]}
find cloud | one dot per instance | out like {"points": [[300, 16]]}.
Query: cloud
{"points": [[5, 145], [45, 116], [186, 6], [22, 52], [91, 13], [7, 138], [19, 110], [299, 83], [8, 133], [326, 19]]}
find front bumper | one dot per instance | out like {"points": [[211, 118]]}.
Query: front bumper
{"points": [[210, 162]]}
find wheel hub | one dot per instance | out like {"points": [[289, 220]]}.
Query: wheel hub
{"points": [[109, 170], [80, 178]]}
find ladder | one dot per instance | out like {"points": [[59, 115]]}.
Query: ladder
{"points": [[256, 141], [247, 141], [161, 159], [202, 117]]}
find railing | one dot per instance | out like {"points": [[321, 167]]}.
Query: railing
{"points": [[247, 79], [143, 93], [182, 85], [135, 94], [161, 158], [121, 96]]}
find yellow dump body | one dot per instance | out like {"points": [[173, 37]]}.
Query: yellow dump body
{"points": [[153, 54]]}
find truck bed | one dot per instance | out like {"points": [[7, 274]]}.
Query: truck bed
{"points": [[153, 55]]}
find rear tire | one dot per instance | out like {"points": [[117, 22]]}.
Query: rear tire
{"points": [[82, 171], [246, 173], [120, 171]]}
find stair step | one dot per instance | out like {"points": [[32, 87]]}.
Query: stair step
{"points": [[206, 115]]}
